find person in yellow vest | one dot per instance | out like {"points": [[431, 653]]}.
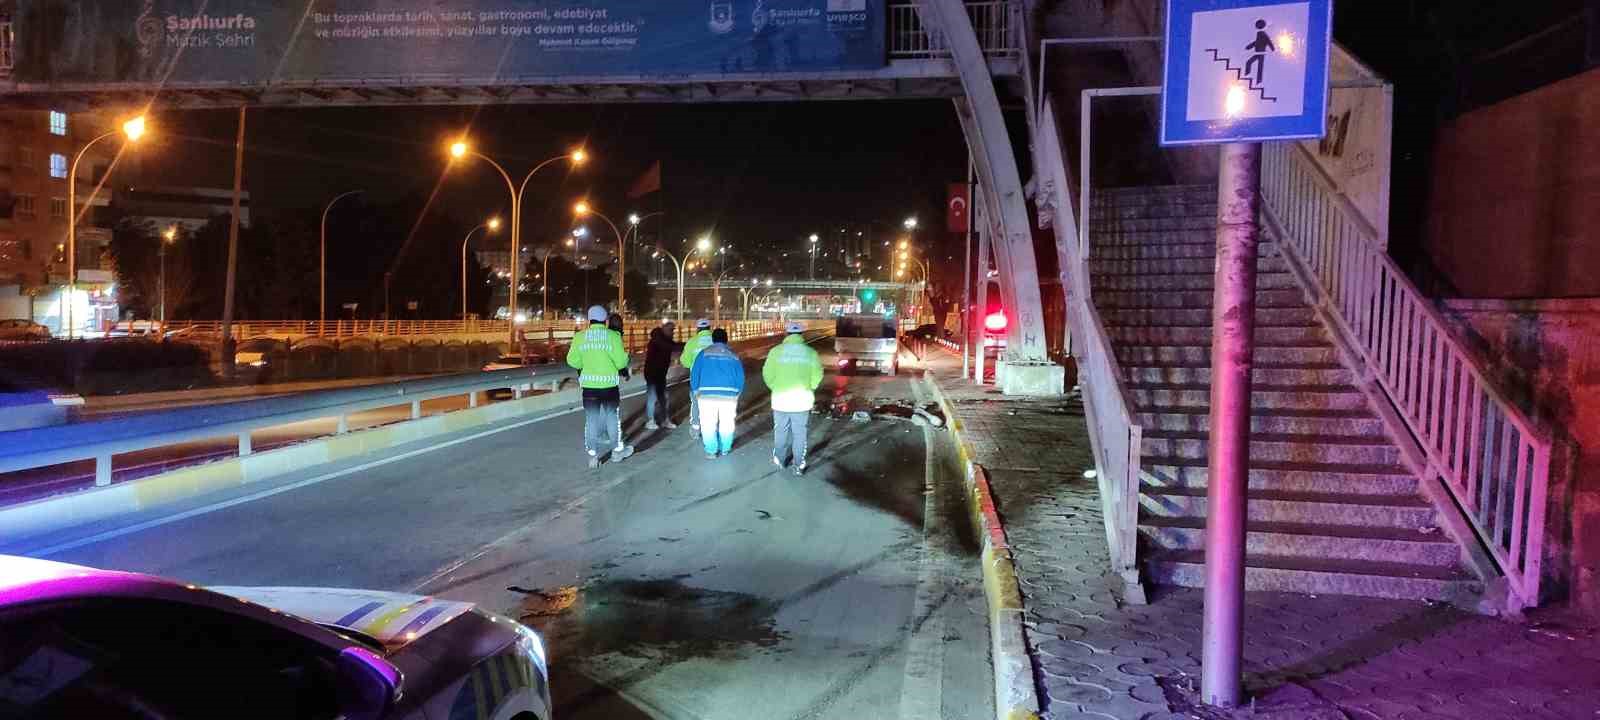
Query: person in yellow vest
{"points": [[599, 356], [792, 373], [691, 350]]}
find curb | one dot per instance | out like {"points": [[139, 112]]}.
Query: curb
{"points": [[1016, 697]]}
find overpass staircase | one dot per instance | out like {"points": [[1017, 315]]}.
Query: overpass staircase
{"points": [[1331, 506]]}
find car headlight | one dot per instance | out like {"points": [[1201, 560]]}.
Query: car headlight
{"points": [[529, 642]]}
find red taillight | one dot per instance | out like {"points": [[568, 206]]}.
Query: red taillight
{"points": [[995, 322]]}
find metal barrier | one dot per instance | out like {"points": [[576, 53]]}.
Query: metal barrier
{"points": [[332, 328], [1493, 459], [100, 440], [993, 20]]}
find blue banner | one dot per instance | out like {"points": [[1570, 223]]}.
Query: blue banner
{"points": [[178, 43]]}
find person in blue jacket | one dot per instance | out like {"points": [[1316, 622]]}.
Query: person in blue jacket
{"points": [[715, 382]]}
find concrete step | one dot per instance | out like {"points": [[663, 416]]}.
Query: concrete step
{"points": [[1289, 422], [1108, 244], [1372, 480], [1159, 246], [1189, 299], [1261, 373], [1098, 226], [1168, 266], [1185, 281], [1154, 193], [1300, 397], [1322, 576], [1148, 317], [1391, 511], [1350, 542], [1320, 353], [1276, 447], [1157, 207], [1201, 334]]}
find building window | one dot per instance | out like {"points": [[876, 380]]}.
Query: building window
{"points": [[25, 206], [58, 122], [58, 166], [25, 156], [58, 208]]}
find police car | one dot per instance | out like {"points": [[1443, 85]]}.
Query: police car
{"points": [[76, 642]]}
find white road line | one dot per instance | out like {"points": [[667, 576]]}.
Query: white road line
{"points": [[214, 507], [921, 695]]}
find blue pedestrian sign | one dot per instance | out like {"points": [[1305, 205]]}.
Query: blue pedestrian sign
{"points": [[1245, 70]]}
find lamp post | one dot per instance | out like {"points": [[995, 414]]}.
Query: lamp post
{"points": [[460, 149], [812, 273], [168, 236], [582, 208], [492, 224], [322, 264], [133, 129]]}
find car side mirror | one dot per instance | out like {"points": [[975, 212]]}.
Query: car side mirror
{"points": [[369, 685]]}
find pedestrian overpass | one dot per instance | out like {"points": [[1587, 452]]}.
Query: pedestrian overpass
{"points": [[105, 54]]}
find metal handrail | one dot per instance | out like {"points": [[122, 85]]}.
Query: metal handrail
{"points": [[992, 20], [1492, 458]]}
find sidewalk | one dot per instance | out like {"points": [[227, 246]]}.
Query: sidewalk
{"points": [[1306, 657]]}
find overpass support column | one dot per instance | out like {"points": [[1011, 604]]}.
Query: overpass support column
{"points": [[1028, 369]]}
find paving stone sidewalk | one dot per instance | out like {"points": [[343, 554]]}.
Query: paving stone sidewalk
{"points": [[1306, 656]]}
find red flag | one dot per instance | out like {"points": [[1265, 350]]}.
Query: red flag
{"points": [[957, 207], [647, 183]]}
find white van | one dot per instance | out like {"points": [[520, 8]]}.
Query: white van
{"points": [[863, 340]]}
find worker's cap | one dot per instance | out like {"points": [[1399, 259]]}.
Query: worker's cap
{"points": [[597, 313], [794, 327], [667, 322], [702, 324]]}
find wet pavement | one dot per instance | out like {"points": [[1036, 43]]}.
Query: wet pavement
{"points": [[667, 585]]}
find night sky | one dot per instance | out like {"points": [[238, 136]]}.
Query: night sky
{"points": [[752, 174]]}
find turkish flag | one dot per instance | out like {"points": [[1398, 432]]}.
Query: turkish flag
{"points": [[956, 208], [647, 183]]}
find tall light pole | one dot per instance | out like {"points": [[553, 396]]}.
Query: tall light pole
{"points": [[492, 224], [460, 149], [812, 274], [168, 236], [133, 129], [322, 264], [582, 208]]}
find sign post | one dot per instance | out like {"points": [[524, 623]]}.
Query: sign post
{"points": [[1238, 72]]}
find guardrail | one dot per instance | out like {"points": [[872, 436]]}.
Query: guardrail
{"points": [[101, 440], [1493, 459], [328, 328], [993, 20]]}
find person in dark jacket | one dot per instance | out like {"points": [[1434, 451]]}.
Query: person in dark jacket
{"points": [[658, 357]]}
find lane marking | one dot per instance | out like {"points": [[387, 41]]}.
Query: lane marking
{"points": [[922, 694]]}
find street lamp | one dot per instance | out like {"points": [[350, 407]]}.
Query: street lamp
{"points": [[459, 150], [582, 208], [133, 129], [812, 273], [492, 224], [168, 236], [322, 265], [910, 223]]}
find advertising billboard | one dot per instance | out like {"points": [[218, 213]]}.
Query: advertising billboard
{"points": [[178, 43]]}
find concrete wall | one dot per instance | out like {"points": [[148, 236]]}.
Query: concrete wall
{"points": [[1546, 353], [1515, 206]]}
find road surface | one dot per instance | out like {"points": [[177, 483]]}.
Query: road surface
{"points": [[689, 588]]}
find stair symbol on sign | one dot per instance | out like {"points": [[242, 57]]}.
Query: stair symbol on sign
{"points": [[1238, 73]]}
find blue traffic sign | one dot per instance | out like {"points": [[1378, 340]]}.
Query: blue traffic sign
{"points": [[1245, 70]]}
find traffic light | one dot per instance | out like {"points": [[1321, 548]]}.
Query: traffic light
{"points": [[869, 295]]}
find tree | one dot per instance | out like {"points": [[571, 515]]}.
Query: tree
{"points": [[639, 292], [134, 251]]}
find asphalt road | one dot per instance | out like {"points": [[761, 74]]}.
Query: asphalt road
{"points": [[690, 588]]}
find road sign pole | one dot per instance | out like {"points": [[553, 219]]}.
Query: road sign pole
{"points": [[1232, 344]]}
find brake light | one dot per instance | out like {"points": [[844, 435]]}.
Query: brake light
{"points": [[995, 322]]}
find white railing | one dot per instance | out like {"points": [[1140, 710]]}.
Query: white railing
{"points": [[993, 21], [1114, 432], [1492, 458], [314, 328]]}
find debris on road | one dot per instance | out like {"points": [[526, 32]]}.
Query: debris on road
{"points": [[537, 602]]}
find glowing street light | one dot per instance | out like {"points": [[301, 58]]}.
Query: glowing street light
{"points": [[910, 223], [582, 208], [492, 224], [168, 236], [131, 130]]}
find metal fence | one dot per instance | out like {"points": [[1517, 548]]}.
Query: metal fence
{"points": [[1493, 459], [993, 20], [328, 328]]}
